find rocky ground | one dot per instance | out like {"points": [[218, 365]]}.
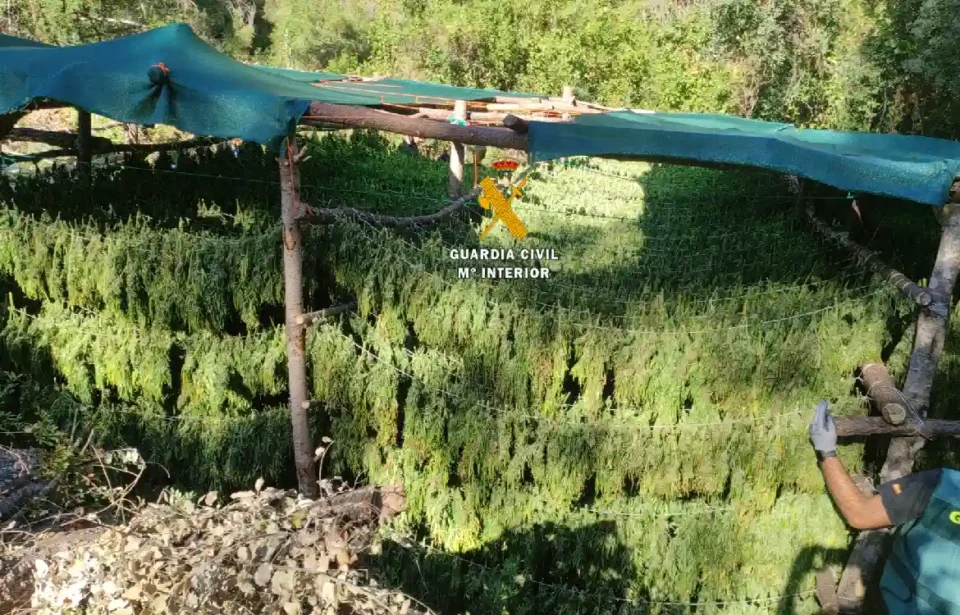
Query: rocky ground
{"points": [[264, 551]]}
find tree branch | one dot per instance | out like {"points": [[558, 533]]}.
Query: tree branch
{"points": [[362, 117], [915, 293]]}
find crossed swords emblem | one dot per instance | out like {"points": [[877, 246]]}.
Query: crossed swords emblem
{"points": [[502, 207]]}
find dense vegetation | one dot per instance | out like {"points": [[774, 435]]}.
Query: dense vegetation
{"points": [[629, 432], [851, 64]]}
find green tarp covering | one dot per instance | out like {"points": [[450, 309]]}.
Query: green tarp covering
{"points": [[205, 92], [12, 41], [919, 169]]}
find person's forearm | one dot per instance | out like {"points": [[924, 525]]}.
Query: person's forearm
{"points": [[845, 493]]}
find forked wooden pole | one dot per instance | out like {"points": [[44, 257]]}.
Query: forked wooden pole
{"points": [[293, 309], [927, 345]]}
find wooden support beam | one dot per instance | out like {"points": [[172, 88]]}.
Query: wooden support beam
{"points": [[568, 95], [490, 117], [518, 99], [57, 138], [556, 105], [457, 154], [125, 148], [921, 296], [884, 393], [293, 310], [859, 426], [312, 317], [928, 342], [100, 145], [361, 117], [516, 124], [56, 153]]}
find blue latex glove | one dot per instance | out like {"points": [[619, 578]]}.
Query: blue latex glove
{"points": [[823, 431]]}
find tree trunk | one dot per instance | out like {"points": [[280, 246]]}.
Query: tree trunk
{"points": [[295, 333]]}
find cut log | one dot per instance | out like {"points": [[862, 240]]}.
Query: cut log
{"points": [[848, 427], [366, 502], [881, 390], [915, 293], [361, 117], [312, 317]]}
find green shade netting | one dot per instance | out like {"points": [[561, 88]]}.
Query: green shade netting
{"points": [[206, 92], [915, 168]]}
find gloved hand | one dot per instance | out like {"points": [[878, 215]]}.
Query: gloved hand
{"points": [[823, 432]]}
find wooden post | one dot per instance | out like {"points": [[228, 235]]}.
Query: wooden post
{"points": [[457, 153], [927, 346], [568, 96], [859, 426], [84, 143], [295, 333], [800, 204]]}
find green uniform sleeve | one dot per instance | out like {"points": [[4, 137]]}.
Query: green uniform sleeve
{"points": [[907, 497]]}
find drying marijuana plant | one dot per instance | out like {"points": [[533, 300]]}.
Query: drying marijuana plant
{"points": [[641, 414]]}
